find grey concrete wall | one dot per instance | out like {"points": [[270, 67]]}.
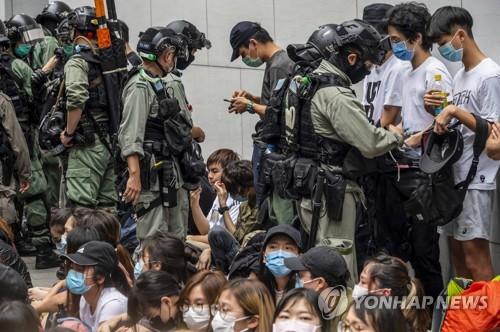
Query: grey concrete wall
{"points": [[212, 77]]}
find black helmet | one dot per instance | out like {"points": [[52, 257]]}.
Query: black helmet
{"points": [[54, 11], [195, 38], [63, 31], [22, 27], [364, 37], [155, 40], [83, 19], [441, 150], [325, 40]]}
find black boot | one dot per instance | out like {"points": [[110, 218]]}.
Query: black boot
{"points": [[46, 259], [23, 246]]}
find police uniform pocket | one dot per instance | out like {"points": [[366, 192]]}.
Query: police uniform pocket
{"points": [[79, 185]]}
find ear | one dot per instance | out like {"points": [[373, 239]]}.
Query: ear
{"points": [[322, 284], [386, 291], [165, 300], [100, 280], [352, 58], [418, 39], [253, 322], [156, 266]]}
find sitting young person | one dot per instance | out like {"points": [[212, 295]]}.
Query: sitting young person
{"points": [[389, 276], [163, 252], [197, 297], [216, 163], [9, 255], [320, 268], [96, 276], [237, 181], [299, 311], [281, 242], [57, 224]]}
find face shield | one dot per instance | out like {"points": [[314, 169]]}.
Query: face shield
{"points": [[31, 34]]}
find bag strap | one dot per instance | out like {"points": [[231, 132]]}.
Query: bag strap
{"points": [[478, 146]]}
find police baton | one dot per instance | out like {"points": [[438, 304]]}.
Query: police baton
{"points": [[316, 205]]}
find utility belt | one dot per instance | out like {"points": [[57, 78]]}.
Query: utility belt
{"points": [[158, 165], [292, 177]]}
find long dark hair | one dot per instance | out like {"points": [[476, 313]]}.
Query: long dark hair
{"points": [[380, 318], [147, 292], [16, 316], [168, 250], [311, 297], [391, 272]]}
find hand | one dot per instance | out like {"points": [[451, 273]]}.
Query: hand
{"points": [[204, 260], [195, 196], [133, 189], [220, 189], [114, 323], [395, 129], [443, 119], [65, 140], [24, 185], [243, 93], [493, 142], [414, 141], [434, 98], [238, 105], [198, 134], [50, 65]]}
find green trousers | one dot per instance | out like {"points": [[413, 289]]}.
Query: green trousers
{"points": [[281, 211], [336, 233], [90, 177], [52, 171]]}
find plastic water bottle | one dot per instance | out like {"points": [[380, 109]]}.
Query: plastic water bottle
{"points": [[438, 89]]}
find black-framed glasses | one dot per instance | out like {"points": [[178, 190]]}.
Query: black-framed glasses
{"points": [[197, 307]]}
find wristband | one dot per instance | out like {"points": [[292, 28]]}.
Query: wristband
{"points": [[223, 209], [249, 107]]}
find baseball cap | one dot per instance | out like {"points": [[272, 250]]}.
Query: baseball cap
{"points": [[375, 13], [440, 150], [321, 261], [95, 253], [12, 285], [241, 33], [283, 230]]}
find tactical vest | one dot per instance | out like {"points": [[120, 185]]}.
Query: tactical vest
{"points": [[11, 85], [98, 100], [297, 131]]}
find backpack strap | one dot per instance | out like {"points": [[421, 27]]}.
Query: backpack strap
{"points": [[478, 146]]}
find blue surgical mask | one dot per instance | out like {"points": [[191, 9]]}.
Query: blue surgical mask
{"points": [[138, 268], [450, 53], [275, 262], [61, 245], [22, 50], [240, 198], [401, 51], [298, 282], [75, 282]]}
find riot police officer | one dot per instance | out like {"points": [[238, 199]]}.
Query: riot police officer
{"points": [[154, 132], [52, 14], [29, 41], [90, 175], [16, 83], [325, 133]]}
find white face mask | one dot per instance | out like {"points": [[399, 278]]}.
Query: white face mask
{"points": [[61, 245], [359, 291], [225, 325], [293, 325], [196, 320]]}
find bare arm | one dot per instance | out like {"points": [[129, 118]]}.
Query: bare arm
{"points": [[389, 115]]}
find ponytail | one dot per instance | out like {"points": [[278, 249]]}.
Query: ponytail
{"points": [[417, 317], [125, 260]]}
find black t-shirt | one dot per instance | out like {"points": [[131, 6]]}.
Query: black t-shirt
{"points": [[277, 67]]}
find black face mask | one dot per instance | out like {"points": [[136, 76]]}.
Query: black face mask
{"points": [[183, 64], [357, 72]]}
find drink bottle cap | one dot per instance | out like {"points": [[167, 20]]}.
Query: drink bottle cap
{"points": [[437, 77]]}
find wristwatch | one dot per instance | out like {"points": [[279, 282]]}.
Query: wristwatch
{"points": [[249, 107], [223, 209]]}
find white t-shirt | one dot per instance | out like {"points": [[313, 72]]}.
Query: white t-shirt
{"points": [[216, 219], [478, 91], [416, 83], [384, 87], [111, 303]]}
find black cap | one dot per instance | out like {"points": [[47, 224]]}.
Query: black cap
{"points": [[287, 230], [440, 150], [95, 253], [375, 13], [321, 261], [240, 34], [12, 285]]}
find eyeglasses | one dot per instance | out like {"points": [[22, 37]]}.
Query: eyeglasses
{"points": [[344, 327], [226, 315], [197, 307]]}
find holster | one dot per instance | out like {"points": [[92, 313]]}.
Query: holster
{"points": [[168, 181], [146, 170], [304, 176], [334, 194], [177, 129]]}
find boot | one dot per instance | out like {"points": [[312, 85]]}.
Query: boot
{"points": [[23, 246], [46, 258]]}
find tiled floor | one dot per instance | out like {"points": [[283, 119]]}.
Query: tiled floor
{"points": [[40, 278]]}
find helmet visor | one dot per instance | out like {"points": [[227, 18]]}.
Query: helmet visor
{"points": [[31, 34]]}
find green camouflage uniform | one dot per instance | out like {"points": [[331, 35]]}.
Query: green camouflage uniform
{"points": [[337, 114], [22, 165], [35, 207], [90, 178], [140, 102]]}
